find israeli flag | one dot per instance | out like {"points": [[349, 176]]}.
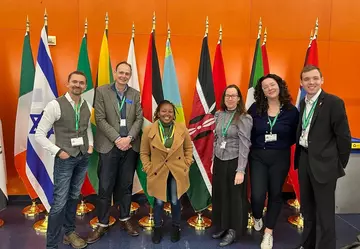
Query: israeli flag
{"points": [[39, 162]]}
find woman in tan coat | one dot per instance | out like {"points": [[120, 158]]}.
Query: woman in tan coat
{"points": [[166, 154]]}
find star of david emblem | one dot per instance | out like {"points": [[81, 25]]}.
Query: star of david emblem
{"points": [[35, 118]]}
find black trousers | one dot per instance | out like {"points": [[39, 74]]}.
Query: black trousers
{"points": [[268, 171], [317, 204], [116, 174], [229, 201]]}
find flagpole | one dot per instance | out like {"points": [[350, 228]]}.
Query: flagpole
{"points": [[84, 208], [199, 222], [33, 209], [41, 225], [147, 222]]}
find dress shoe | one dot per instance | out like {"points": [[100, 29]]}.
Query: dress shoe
{"points": [[74, 240], [229, 238], [219, 235], [129, 227], [96, 234], [157, 235], [175, 234]]}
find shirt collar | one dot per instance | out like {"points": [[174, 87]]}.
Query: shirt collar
{"points": [[118, 92], [68, 97], [312, 100]]}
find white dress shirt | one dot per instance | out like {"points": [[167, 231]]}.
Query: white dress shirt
{"points": [[52, 113], [303, 141]]}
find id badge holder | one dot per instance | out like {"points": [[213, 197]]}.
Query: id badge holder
{"points": [[270, 138], [78, 141], [122, 122]]}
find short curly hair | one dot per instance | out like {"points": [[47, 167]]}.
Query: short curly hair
{"points": [[260, 99]]}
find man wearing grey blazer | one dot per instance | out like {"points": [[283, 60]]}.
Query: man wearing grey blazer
{"points": [[119, 119]]}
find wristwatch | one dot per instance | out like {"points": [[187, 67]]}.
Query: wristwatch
{"points": [[131, 138]]}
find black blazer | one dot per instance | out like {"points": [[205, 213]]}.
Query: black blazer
{"points": [[329, 139]]}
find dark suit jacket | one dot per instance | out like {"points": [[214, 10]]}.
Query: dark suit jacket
{"points": [[329, 140], [107, 117]]}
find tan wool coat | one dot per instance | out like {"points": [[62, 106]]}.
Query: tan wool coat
{"points": [[158, 161]]}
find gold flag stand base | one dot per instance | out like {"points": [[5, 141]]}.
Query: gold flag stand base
{"points": [[134, 207], [33, 209], [1, 222], [84, 208], [250, 222], [294, 203], [147, 222], [210, 208], [199, 222], [41, 225], [297, 220], [94, 221]]}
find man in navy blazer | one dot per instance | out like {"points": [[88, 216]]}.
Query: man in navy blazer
{"points": [[322, 153]]}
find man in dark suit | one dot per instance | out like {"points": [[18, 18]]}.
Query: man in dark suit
{"points": [[119, 119], [322, 153]]}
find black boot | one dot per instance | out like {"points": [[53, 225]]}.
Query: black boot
{"points": [[229, 238], [175, 234], [157, 235], [219, 235]]}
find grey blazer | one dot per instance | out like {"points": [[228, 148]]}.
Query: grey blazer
{"points": [[107, 117]]}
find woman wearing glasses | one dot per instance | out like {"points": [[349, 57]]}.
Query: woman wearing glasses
{"points": [[231, 148], [274, 131], [166, 154]]}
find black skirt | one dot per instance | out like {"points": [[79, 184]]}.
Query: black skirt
{"points": [[229, 201]]}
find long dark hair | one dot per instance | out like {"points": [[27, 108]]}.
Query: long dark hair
{"points": [[240, 107], [163, 102], [260, 99]]}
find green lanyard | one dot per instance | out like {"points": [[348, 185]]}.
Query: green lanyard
{"points": [[122, 104], [163, 136], [225, 129], [272, 123], [306, 118], [77, 115]]}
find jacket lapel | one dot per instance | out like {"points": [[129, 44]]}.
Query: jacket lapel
{"points": [[302, 107], [154, 135], [317, 109], [178, 139], [113, 99]]}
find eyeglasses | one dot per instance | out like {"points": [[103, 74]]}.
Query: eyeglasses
{"points": [[228, 96]]}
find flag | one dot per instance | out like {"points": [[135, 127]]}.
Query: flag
{"points": [[152, 94], [104, 73], [219, 75], [257, 71], [134, 83], [170, 83], [91, 182], [23, 112], [39, 162], [201, 127], [3, 191], [265, 56], [311, 58]]}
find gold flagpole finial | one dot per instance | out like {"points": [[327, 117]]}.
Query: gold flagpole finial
{"points": [[153, 22], [27, 24], [265, 36], [106, 21], [316, 28], [260, 28], [133, 31], [220, 33], [311, 38], [168, 31], [207, 26], [86, 26], [45, 18]]}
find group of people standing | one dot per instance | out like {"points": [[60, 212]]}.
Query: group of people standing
{"points": [[260, 137]]}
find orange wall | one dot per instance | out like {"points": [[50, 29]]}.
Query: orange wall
{"points": [[288, 23]]}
